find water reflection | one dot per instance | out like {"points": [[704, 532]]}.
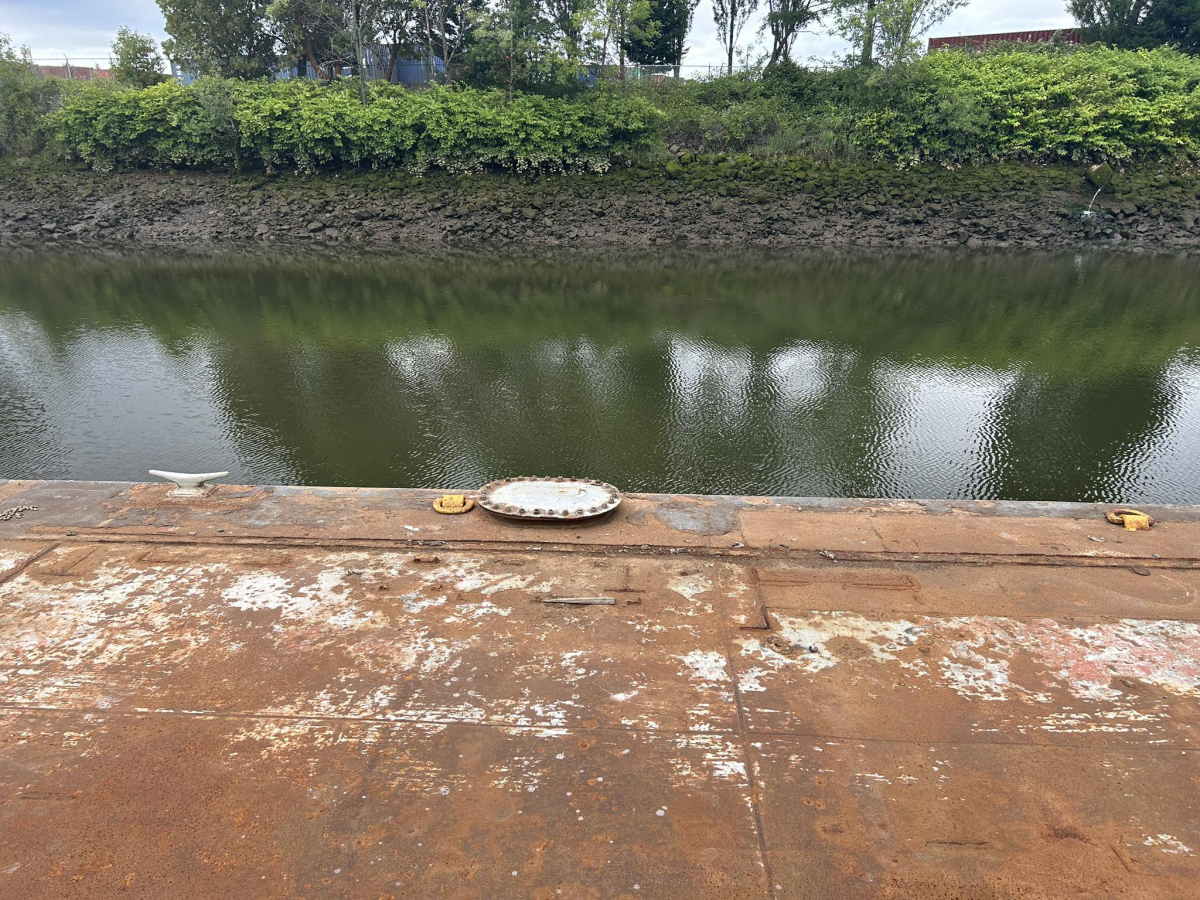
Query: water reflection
{"points": [[968, 376]]}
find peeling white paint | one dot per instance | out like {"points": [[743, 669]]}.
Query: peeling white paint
{"points": [[1168, 844], [266, 590], [690, 586], [707, 666], [750, 681], [973, 656], [808, 639]]}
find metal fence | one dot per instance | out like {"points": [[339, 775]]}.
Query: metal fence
{"points": [[378, 67], [409, 71]]}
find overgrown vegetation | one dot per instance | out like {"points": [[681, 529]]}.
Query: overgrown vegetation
{"points": [[230, 124], [25, 100], [1051, 104], [953, 107], [1140, 23], [136, 60]]}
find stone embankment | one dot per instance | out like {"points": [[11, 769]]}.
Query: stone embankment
{"points": [[719, 203]]}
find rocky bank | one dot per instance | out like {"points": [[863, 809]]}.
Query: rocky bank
{"points": [[719, 202]]}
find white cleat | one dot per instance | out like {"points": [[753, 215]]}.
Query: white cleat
{"points": [[189, 485]]}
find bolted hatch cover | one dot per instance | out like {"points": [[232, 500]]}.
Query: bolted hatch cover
{"points": [[549, 498]]}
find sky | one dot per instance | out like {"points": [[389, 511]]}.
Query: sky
{"points": [[83, 29]]}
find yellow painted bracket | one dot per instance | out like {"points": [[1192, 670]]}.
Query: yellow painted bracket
{"points": [[453, 504], [1132, 519]]}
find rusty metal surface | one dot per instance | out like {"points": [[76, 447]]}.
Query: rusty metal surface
{"points": [[292, 692]]}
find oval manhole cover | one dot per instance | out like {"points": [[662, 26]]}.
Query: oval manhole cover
{"points": [[549, 498]]}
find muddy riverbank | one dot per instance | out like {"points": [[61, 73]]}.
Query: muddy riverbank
{"points": [[719, 203]]}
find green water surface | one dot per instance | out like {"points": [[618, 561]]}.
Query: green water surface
{"points": [[940, 376]]}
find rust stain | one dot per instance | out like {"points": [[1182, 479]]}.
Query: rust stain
{"points": [[304, 718]]}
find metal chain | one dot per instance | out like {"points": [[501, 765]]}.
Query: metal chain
{"points": [[15, 512]]}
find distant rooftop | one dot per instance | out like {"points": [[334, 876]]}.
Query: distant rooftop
{"points": [[1070, 35], [82, 73]]}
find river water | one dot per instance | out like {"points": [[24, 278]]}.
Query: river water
{"points": [[936, 376]]}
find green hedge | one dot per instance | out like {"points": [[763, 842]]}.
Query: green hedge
{"points": [[947, 108], [226, 124], [953, 107], [25, 100], [1091, 104]]}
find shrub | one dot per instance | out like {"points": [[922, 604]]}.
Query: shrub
{"points": [[138, 62], [1096, 103], [949, 107], [1044, 105], [25, 100], [163, 125], [310, 126]]}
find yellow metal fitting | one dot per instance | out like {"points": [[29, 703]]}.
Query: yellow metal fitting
{"points": [[453, 504], [1132, 519]]}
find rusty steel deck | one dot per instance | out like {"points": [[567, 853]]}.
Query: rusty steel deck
{"points": [[311, 693]]}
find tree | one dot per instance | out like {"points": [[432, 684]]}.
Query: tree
{"points": [[314, 33], [730, 17], [447, 26], [902, 22], [785, 20], [25, 99], [1109, 19], [887, 30], [569, 17], [399, 33], [136, 60], [1172, 22], [623, 23], [233, 38], [513, 45], [661, 35], [360, 37], [1140, 23]]}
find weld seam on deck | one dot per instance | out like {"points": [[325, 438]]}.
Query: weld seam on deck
{"points": [[18, 569], [751, 771], [879, 611], [100, 713], [1186, 563]]}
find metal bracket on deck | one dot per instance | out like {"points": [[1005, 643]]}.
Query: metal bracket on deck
{"points": [[189, 485]]}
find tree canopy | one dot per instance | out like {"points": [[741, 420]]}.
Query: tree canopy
{"points": [[233, 38], [1132, 24], [136, 60]]}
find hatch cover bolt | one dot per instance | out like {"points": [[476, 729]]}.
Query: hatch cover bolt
{"points": [[189, 485]]}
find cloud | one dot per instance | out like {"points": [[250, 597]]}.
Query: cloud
{"points": [[80, 29]]}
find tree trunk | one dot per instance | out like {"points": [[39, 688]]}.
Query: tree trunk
{"points": [[730, 34], [358, 56], [621, 45], [445, 48], [776, 49], [312, 57], [512, 44], [432, 73], [395, 51], [868, 51]]}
